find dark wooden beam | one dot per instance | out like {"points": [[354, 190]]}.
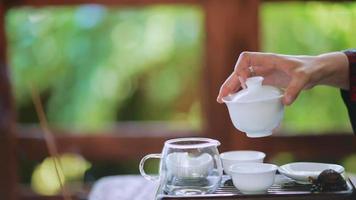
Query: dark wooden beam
{"points": [[125, 143], [8, 167], [322, 1], [127, 128], [121, 146], [231, 27], [39, 197], [303, 147], [26, 193]]}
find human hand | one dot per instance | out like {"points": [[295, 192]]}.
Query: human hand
{"points": [[293, 73]]}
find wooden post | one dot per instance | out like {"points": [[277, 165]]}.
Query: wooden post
{"points": [[231, 27], [8, 157]]}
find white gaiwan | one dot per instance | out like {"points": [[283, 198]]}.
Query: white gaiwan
{"points": [[256, 110]]}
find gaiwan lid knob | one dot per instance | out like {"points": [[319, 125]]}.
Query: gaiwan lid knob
{"points": [[254, 82]]}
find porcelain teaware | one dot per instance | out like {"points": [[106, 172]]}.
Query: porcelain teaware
{"points": [[301, 172], [233, 157], [188, 166], [256, 110], [253, 178]]}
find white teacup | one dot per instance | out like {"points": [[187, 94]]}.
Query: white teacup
{"points": [[253, 178], [256, 110], [234, 157]]}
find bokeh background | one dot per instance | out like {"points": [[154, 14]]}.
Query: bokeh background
{"points": [[95, 66]]}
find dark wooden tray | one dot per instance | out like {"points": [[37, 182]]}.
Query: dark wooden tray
{"points": [[288, 190]]}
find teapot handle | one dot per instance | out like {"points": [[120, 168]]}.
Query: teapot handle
{"points": [[142, 164]]}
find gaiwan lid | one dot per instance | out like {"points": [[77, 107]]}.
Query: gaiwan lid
{"points": [[255, 92]]}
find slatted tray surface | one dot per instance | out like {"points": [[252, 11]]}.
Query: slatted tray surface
{"points": [[285, 189]]}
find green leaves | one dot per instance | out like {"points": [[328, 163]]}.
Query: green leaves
{"points": [[98, 65], [309, 29]]}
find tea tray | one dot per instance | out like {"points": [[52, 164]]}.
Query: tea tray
{"points": [[286, 190]]}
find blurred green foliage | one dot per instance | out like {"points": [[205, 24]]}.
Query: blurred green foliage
{"points": [[310, 29], [71, 168], [350, 163], [98, 65]]}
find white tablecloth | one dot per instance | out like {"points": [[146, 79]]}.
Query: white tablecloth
{"points": [[129, 187]]}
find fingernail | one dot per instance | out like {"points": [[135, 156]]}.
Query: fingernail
{"points": [[288, 99]]}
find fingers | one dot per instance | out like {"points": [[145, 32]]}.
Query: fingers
{"points": [[236, 80], [231, 85], [238, 77], [265, 63], [241, 71], [247, 59], [242, 82], [295, 86]]}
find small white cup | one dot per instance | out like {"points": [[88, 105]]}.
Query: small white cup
{"points": [[233, 157], [253, 178]]}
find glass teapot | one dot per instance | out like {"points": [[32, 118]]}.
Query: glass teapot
{"points": [[188, 166]]}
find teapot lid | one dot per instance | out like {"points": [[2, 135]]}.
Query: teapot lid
{"points": [[191, 143], [254, 92]]}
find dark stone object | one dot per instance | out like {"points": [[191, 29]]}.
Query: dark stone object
{"points": [[328, 180]]}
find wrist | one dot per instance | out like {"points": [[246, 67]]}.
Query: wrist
{"points": [[334, 69]]}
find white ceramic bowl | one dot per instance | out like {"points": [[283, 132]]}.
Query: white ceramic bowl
{"points": [[256, 119], [256, 110], [233, 157], [301, 171], [253, 178], [183, 165]]}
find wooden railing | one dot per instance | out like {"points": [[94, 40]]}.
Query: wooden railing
{"points": [[116, 146], [8, 167], [231, 27]]}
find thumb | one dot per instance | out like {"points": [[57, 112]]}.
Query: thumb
{"points": [[293, 90]]}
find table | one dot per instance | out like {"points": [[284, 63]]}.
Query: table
{"points": [[131, 187], [128, 187]]}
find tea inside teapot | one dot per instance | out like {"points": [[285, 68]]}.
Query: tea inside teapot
{"points": [[186, 165]]}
